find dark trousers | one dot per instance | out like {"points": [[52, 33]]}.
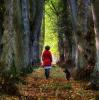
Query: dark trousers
{"points": [[47, 72]]}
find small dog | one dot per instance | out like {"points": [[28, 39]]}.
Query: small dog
{"points": [[68, 66], [68, 75]]}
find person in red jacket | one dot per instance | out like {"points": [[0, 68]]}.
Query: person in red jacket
{"points": [[47, 60]]}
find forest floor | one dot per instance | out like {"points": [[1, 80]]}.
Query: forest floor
{"points": [[36, 87]]}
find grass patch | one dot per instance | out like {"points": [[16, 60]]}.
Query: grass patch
{"points": [[56, 86], [35, 67], [67, 86], [56, 72]]}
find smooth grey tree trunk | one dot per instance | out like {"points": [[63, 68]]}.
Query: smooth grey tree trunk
{"points": [[95, 13], [37, 31], [32, 18], [86, 4], [26, 31], [73, 7]]}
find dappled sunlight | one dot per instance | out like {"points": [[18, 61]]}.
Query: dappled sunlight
{"points": [[80, 49]]}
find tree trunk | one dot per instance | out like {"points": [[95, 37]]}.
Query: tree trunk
{"points": [[73, 7], [26, 31], [83, 54], [63, 30], [68, 46], [19, 36], [85, 13], [95, 12], [61, 47], [67, 30], [32, 18], [1, 24], [37, 31], [42, 37], [8, 39]]}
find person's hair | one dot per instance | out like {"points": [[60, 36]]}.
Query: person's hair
{"points": [[47, 47]]}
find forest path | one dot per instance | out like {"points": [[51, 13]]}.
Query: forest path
{"points": [[55, 88]]}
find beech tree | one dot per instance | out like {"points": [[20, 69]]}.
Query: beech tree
{"points": [[8, 38], [95, 14]]}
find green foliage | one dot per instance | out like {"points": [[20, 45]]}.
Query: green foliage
{"points": [[51, 37]]}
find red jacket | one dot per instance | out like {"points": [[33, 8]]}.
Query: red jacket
{"points": [[47, 58]]}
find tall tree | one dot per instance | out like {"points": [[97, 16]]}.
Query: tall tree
{"points": [[37, 31], [8, 40], [26, 31], [2, 10], [32, 4], [64, 24], [85, 4], [60, 24], [42, 36], [95, 12], [73, 7], [19, 36], [83, 33]]}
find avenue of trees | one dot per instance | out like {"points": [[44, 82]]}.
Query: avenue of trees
{"points": [[22, 34]]}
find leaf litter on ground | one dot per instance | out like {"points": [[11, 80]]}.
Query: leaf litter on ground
{"points": [[55, 88]]}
